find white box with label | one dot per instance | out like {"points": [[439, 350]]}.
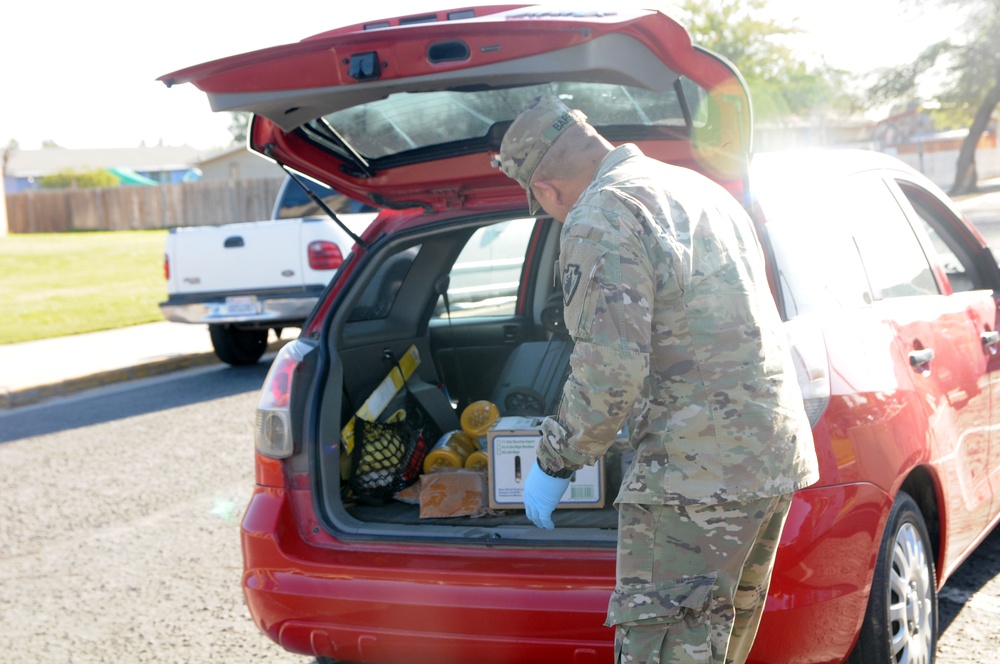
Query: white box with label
{"points": [[511, 448]]}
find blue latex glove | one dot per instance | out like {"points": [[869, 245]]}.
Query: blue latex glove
{"points": [[542, 493]]}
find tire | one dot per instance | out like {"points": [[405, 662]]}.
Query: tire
{"points": [[237, 346], [902, 618]]}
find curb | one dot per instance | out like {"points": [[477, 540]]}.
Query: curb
{"points": [[31, 395], [10, 399]]}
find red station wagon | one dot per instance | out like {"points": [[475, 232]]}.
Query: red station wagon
{"points": [[887, 293]]}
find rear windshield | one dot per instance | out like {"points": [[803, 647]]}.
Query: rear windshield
{"points": [[406, 122], [293, 202]]}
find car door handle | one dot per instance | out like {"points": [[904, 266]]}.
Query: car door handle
{"points": [[921, 358]]}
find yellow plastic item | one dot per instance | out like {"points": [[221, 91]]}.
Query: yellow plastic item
{"points": [[478, 417], [478, 461], [442, 459], [450, 452]]}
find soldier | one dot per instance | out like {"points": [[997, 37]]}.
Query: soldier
{"points": [[678, 342]]}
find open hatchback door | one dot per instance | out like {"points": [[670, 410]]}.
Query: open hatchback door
{"points": [[407, 111], [455, 286]]}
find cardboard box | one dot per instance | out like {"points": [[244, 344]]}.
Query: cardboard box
{"points": [[511, 447]]}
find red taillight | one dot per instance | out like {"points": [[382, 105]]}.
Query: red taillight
{"points": [[812, 364], [273, 432], [324, 255], [166, 267]]}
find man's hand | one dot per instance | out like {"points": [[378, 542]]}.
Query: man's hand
{"points": [[541, 495]]}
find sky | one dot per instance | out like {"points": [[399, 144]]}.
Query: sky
{"points": [[83, 74]]}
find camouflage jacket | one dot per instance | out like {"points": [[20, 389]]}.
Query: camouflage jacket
{"points": [[678, 340]]}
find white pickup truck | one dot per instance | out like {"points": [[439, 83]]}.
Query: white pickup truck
{"points": [[244, 279]]}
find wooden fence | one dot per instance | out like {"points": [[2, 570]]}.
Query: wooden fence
{"points": [[202, 203]]}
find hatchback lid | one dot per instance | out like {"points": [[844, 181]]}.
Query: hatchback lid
{"points": [[408, 112]]}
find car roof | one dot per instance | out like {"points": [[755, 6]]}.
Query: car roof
{"points": [[408, 111], [806, 169]]}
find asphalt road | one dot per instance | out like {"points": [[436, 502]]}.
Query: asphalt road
{"points": [[119, 523]]}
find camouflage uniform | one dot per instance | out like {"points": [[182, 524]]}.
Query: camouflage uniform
{"points": [[692, 579], [678, 341]]}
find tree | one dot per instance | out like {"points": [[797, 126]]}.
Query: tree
{"points": [[12, 147], [781, 84], [239, 126], [970, 88], [74, 178]]}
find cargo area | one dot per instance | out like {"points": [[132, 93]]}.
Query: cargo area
{"points": [[472, 318]]}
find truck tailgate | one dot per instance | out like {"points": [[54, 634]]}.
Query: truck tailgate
{"points": [[246, 256]]}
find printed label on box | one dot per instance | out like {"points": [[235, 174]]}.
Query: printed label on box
{"points": [[512, 456], [510, 469]]}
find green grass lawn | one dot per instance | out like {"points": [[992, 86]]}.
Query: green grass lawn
{"points": [[55, 284]]}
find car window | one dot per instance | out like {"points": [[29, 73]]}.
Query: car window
{"points": [[952, 254], [407, 122], [959, 276], [485, 278], [293, 202], [843, 244], [379, 295], [815, 257], [894, 259]]}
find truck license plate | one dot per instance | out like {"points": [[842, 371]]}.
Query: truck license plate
{"points": [[241, 305]]}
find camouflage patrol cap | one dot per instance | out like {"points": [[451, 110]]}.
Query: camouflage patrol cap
{"points": [[530, 136]]}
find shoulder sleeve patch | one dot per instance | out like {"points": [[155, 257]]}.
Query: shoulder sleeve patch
{"points": [[581, 284], [570, 282]]}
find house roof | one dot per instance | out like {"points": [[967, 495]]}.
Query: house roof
{"points": [[222, 155], [36, 163]]}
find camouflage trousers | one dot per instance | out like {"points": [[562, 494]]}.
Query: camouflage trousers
{"points": [[692, 580]]}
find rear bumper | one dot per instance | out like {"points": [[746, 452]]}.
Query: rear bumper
{"points": [[264, 308], [420, 603], [406, 602]]}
